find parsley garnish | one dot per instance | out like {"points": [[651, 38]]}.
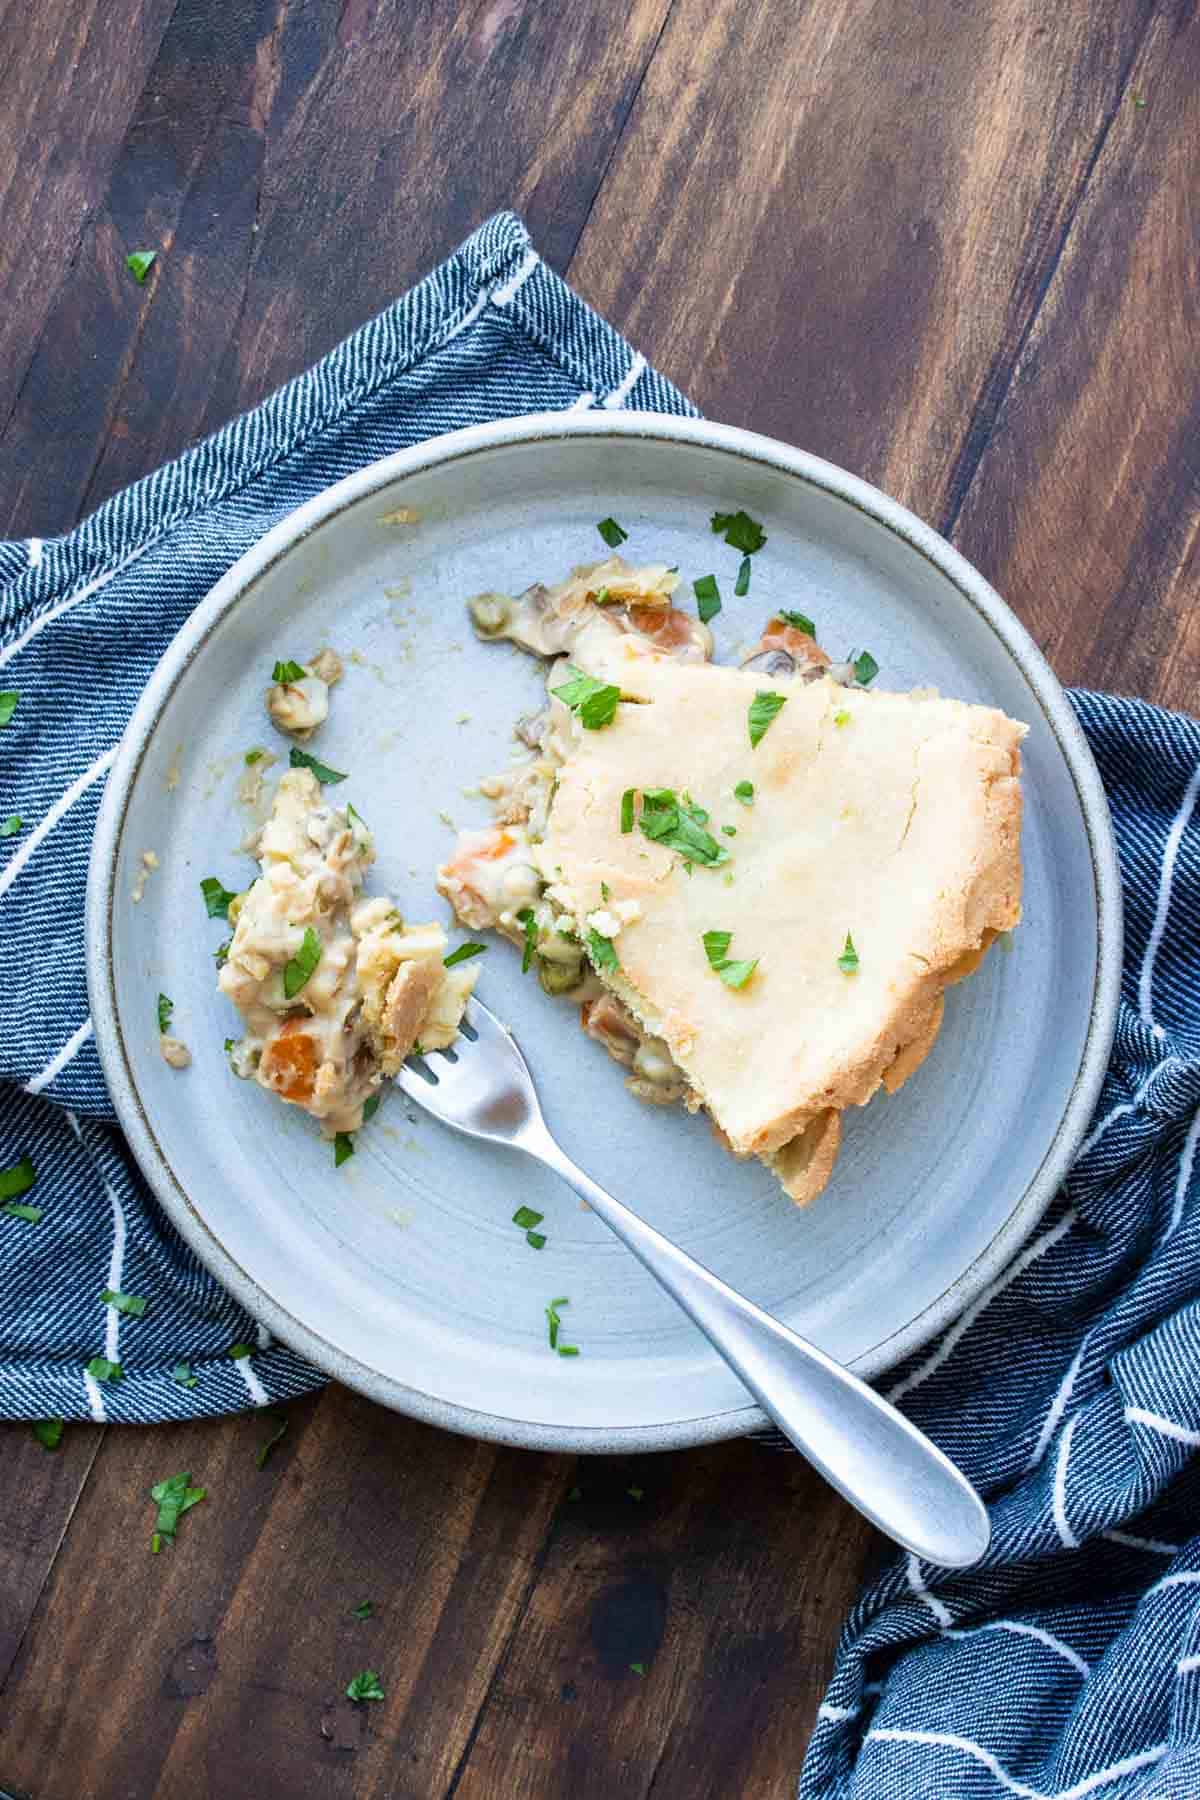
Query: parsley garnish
{"points": [[636, 1493], [17, 1180], [553, 1320], [253, 756], [264, 1450], [638, 1668], [594, 701], [601, 951], [464, 953], [371, 1106], [289, 671], [678, 824], [865, 668], [182, 1375], [716, 948], [740, 531], [742, 584], [300, 759], [48, 1432], [800, 621], [848, 961], [239, 1352], [729, 830], [842, 717], [627, 810], [216, 897], [302, 966], [365, 1686], [763, 709], [165, 1009], [568, 1349], [8, 704], [343, 1148], [139, 263], [100, 1369], [744, 791], [708, 597], [133, 1304], [11, 825], [174, 1497], [528, 918], [18, 1209], [221, 953], [612, 533], [526, 1218], [536, 1240], [363, 1610]]}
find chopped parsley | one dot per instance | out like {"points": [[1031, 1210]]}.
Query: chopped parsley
{"points": [[594, 701], [798, 620], [525, 1218], [744, 791], [605, 892], [716, 948], [173, 1497], [253, 756], [139, 263], [636, 1493], [371, 1106], [536, 1240], [182, 1375], [464, 953], [708, 597], [11, 825], [602, 951], [638, 1668], [289, 671], [165, 1009], [677, 823], [568, 1349], [627, 811], [221, 953], [740, 531], [612, 533], [343, 1148], [528, 918], [603, 598], [729, 830], [365, 1686], [100, 1369], [17, 1180], [763, 709], [848, 961], [842, 717], [48, 1432], [300, 759], [865, 668], [262, 1456], [363, 1610], [553, 1321], [216, 897], [132, 1304], [356, 818], [742, 584], [302, 966], [18, 1209], [239, 1352], [8, 704]]}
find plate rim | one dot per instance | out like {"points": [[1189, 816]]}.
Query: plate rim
{"points": [[303, 523]]}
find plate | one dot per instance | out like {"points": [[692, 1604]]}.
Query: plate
{"points": [[401, 1273]]}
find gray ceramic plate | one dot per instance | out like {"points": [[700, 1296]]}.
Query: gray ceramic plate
{"points": [[401, 1273]]}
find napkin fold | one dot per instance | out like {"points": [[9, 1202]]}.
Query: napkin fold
{"points": [[1069, 1663]]}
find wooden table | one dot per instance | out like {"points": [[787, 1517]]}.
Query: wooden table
{"points": [[952, 246]]}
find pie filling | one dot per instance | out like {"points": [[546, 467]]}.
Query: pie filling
{"points": [[334, 988], [587, 902]]}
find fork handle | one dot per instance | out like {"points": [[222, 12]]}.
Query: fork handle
{"points": [[863, 1447]]}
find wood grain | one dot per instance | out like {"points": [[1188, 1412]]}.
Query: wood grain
{"points": [[298, 166], [1085, 507]]}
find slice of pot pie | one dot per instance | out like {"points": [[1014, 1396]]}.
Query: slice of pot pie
{"points": [[758, 882], [335, 988]]}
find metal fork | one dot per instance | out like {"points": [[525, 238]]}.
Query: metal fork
{"points": [[867, 1450]]}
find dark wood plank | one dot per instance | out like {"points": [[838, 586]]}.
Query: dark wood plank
{"points": [[39, 1490], [70, 76], [834, 223], [724, 1574], [299, 165], [1085, 508], [218, 1667]]}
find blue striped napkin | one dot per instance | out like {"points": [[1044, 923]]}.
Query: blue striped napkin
{"points": [[1070, 1664]]}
